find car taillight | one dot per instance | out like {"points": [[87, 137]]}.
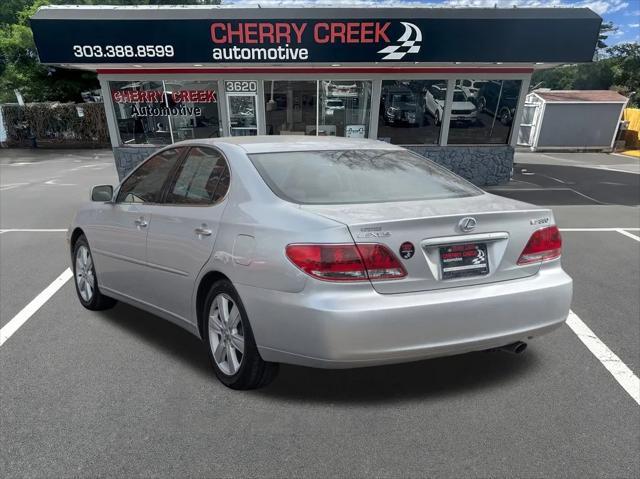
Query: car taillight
{"points": [[346, 262], [545, 244]]}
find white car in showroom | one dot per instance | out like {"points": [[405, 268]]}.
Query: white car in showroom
{"points": [[462, 109], [322, 252]]}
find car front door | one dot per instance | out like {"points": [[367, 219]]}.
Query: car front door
{"points": [[184, 228], [119, 240]]}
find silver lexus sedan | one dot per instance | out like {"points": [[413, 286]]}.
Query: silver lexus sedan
{"points": [[322, 252]]}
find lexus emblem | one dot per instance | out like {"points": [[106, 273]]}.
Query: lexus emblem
{"points": [[467, 224]]}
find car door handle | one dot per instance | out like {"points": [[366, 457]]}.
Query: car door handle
{"points": [[203, 231], [141, 223]]}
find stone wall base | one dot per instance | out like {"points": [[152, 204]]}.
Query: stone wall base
{"points": [[128, 157], [481, 165]]}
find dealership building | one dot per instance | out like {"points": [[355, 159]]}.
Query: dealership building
{"points": [[449, 84]]}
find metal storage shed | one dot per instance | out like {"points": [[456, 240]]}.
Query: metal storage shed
{"points": [[571, 119]]}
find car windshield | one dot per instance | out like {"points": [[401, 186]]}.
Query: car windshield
{"points": [[403, 98], [437, 93], [459, 96], [357, 176]]}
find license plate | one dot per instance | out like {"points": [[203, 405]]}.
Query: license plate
{"points": [[464, 260]]}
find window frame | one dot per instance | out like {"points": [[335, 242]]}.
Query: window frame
{"points": [[164, 184], [174, 177]]}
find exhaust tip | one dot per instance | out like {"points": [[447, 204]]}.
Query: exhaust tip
{"points": [[515, 348], [520, 347]]}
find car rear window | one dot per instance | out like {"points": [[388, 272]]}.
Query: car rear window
{"points": [[357, 176]]}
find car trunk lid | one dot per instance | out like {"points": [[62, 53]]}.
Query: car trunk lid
{"points": [[502, 230]]}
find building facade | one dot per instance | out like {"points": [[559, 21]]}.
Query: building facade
{"points": [[448, 83]]}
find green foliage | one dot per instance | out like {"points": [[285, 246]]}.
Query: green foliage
{"points": [[605, 29], [55, 123], [19, 65], [618, 70]]}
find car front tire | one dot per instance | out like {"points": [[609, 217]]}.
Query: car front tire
{"points": [[85, 279], [232, 348]]}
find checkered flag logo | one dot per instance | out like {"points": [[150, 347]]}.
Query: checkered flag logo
{"points": [[397, 52]]}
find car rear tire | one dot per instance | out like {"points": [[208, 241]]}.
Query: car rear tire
{"points": [[230, 342], [85, 279], [505, 117]]}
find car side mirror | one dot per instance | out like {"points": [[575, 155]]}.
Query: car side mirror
{"points": [[102, 193]]}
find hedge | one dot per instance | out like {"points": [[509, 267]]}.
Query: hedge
{"points": [[56, 125]]}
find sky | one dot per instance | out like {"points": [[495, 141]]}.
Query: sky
{"points": [[625, 14]]}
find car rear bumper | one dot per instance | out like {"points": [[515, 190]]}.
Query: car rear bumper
{"points": [[354, 327]]}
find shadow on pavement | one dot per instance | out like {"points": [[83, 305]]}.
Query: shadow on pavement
{"points": [[165, 337], [417, 380], [569, 185], [400, 382]]}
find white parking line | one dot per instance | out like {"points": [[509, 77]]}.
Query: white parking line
{"points": [[10, 186], [33, 230], [626, 233], [619, 370], [586, 230], [19, 319]]}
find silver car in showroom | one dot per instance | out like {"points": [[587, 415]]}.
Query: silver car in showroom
{"points": [[318, 251]]}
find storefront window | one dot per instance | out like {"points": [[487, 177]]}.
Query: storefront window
{"points": [[345, 107], [162, 112], [411, 111], [198, 113], [323, 108], [483, 111], [290, 107]]}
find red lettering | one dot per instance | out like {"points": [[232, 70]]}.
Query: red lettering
{"points": [[251, 33], [299, 30], [193, 96], [266, 33], [337, 32], [283, 33], [321, 33], [366, 32], [231, 33], [380, 32], [214, 35], [352, 32]]}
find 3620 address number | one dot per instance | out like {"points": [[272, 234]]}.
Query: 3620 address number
{"points": [[123, 51]]}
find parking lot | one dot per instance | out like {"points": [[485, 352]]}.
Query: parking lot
{"points": [[122, 393]]}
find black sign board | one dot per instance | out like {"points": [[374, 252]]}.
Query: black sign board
{"points": [[377, 39]]}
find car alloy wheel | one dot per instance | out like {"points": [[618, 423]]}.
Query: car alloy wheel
{"points": [[226, 334], [85, 278], [505, 118]]}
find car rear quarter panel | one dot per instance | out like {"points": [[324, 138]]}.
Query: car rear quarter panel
{"points": [[257, 226]]}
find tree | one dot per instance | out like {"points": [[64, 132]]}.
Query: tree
{"points": [[605, 29], [618, 70], [625, 59], [19, 64]]}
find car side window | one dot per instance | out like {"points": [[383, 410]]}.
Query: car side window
{"points": [[146, 182], [202, 179]]}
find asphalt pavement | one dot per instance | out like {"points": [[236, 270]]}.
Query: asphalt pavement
{"points": [[122, 393]]}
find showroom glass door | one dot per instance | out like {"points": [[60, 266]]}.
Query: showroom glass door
{"points": [[243, 118]]}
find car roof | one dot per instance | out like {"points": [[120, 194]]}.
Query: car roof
{"points": [[269, 144]]}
